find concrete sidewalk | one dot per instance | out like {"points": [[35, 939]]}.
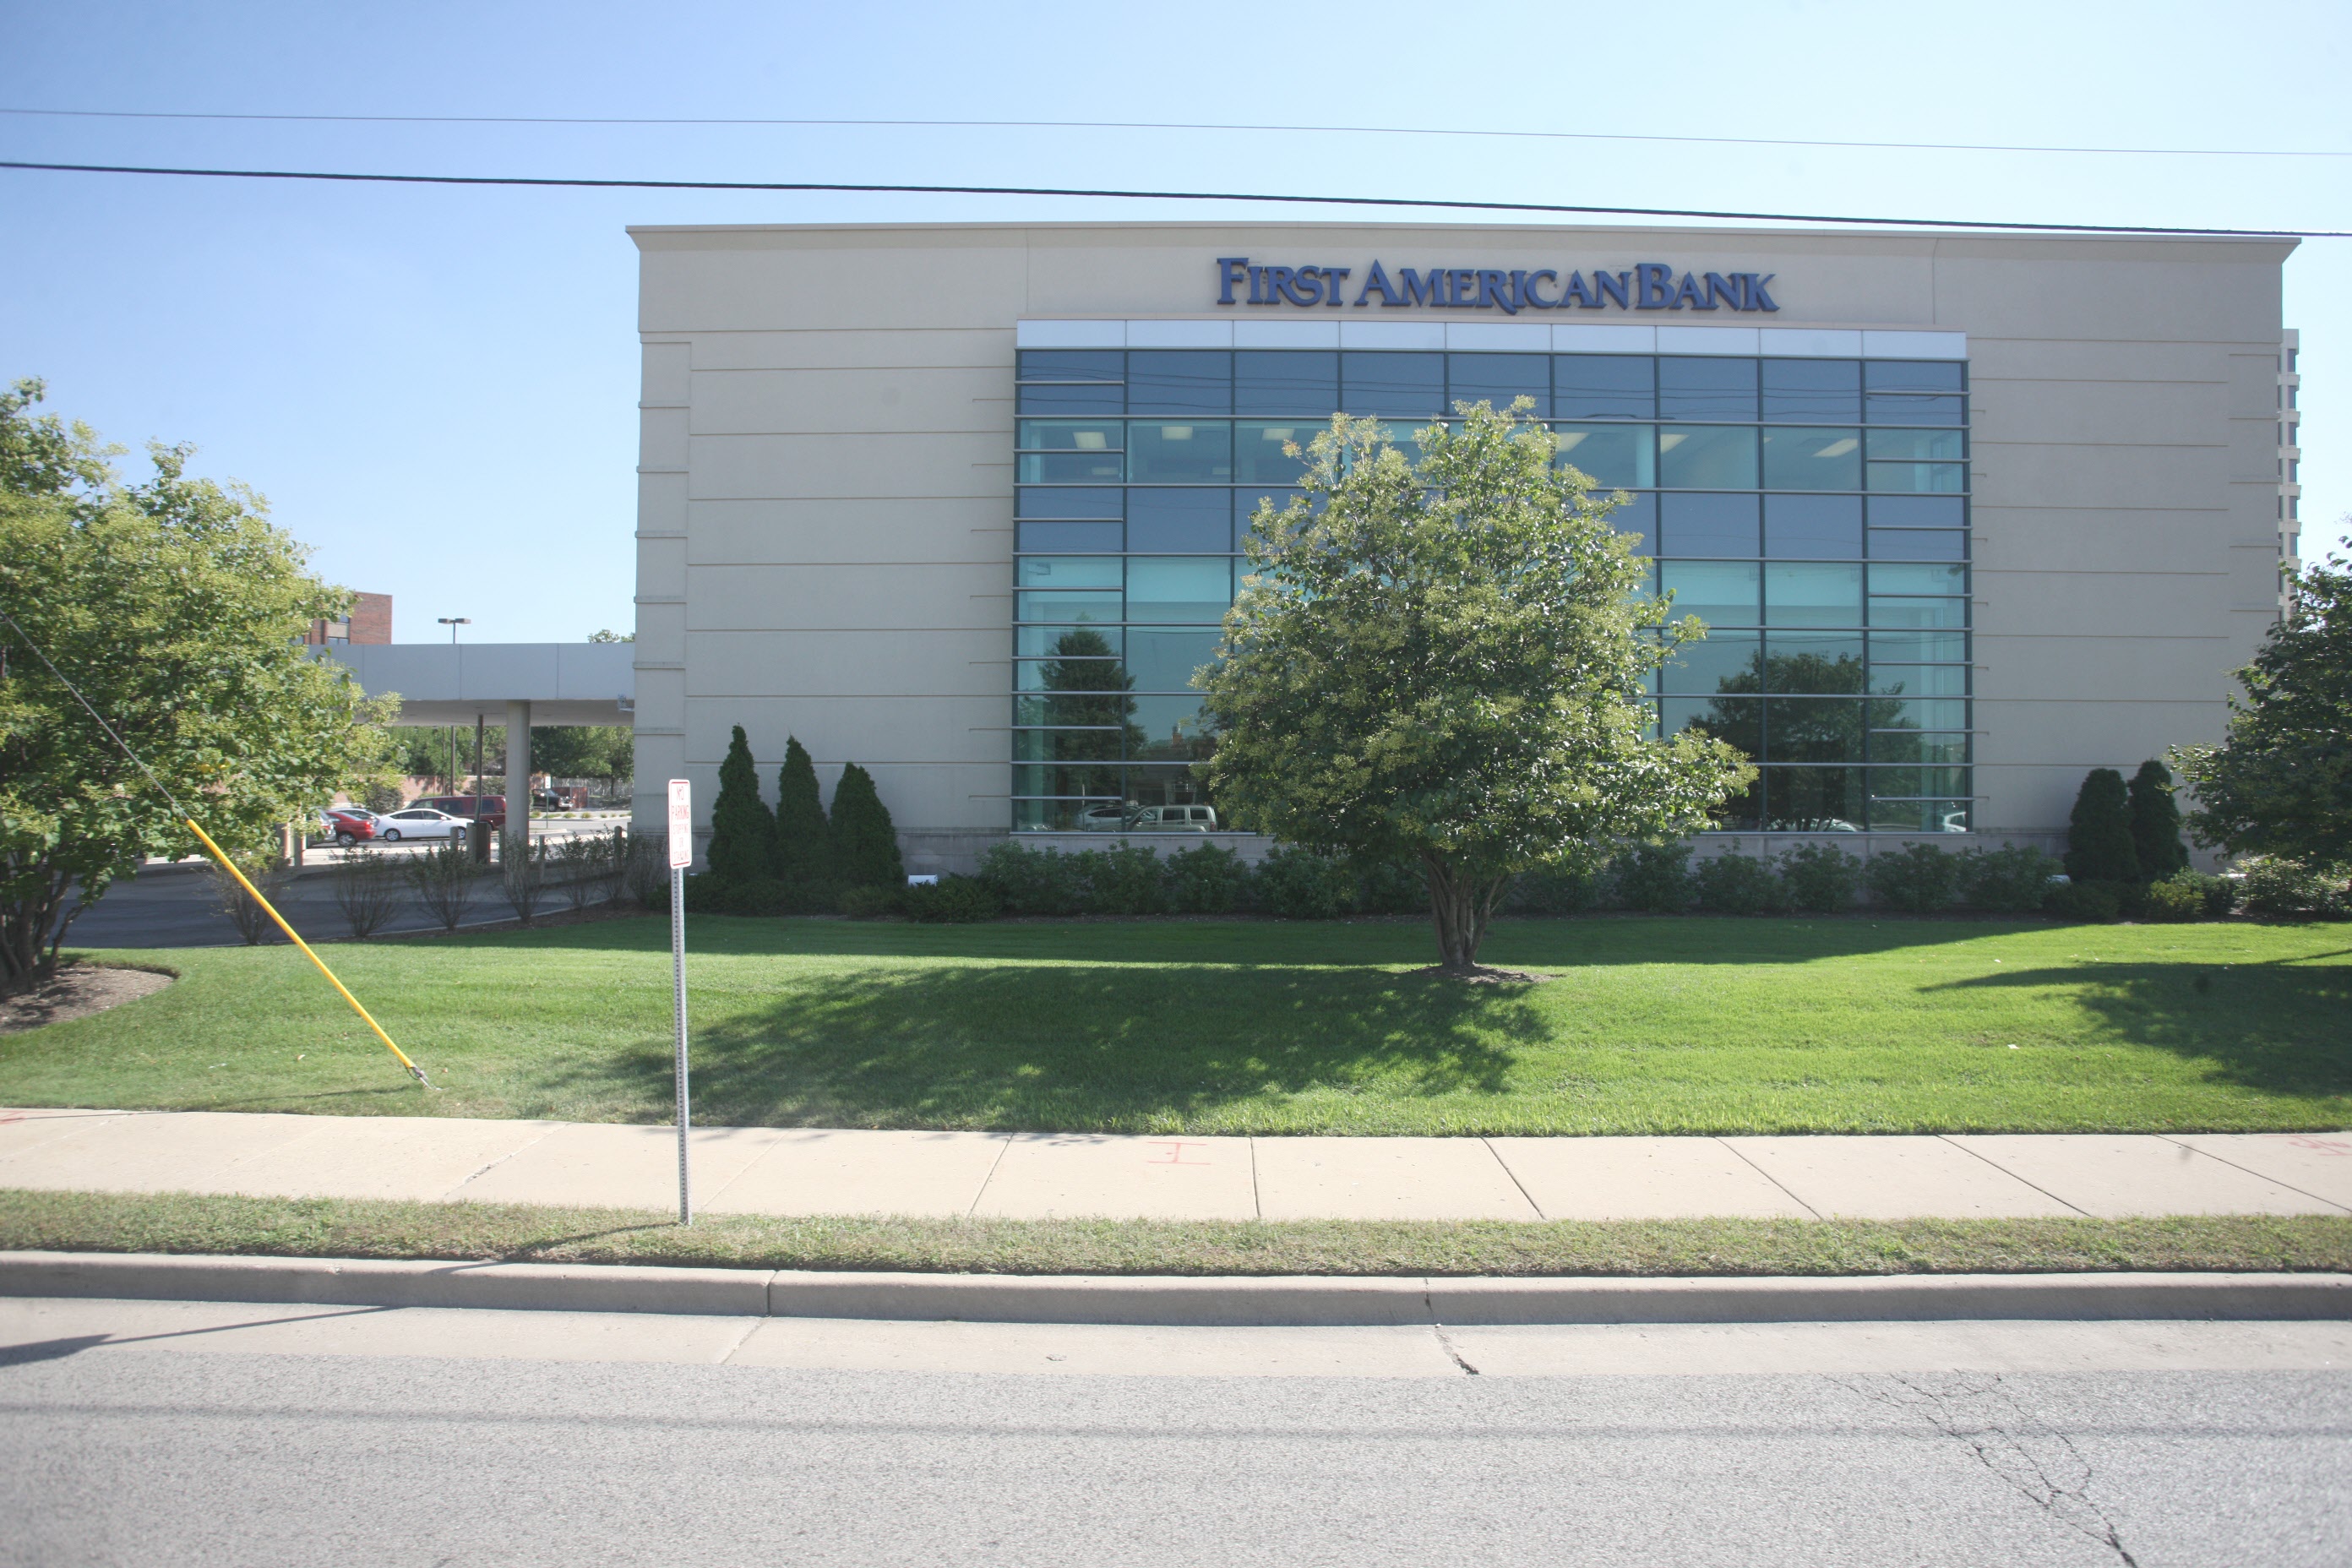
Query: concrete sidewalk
{"points": [[806, 1171]]}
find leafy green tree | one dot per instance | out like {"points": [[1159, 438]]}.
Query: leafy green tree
{"points": [[178, 609], [804, 838], [2099, 834], [606, 751], [743, 834], [865, 841], [610, 636], [1446, 667], [2281, 782], [2156, 823]]}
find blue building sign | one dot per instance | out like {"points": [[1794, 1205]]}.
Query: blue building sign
{"points": [[1650, 286]]}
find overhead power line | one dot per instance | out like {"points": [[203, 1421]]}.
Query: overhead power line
{"points": [[815, 186], [1189, 125]]}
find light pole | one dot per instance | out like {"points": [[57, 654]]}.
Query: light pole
{"points": [[453, 622]]}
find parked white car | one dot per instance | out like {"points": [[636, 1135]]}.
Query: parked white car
{"points": [[418, 822]]}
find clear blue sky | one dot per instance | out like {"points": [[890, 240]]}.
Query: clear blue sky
{"points": [[437, 387]]}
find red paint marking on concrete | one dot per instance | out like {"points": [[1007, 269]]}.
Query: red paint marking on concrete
{"points": [[1176, 1148]]}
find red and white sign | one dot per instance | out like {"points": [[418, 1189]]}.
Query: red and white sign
{"points": [[681, 824]]}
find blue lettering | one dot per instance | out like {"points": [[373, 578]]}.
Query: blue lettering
{"points": [[1257, 280], [1576, 293], [1423, 288], [1688, 290], [1654, 280], [1462, 287], [1231, 269], [1612, 287], [1378, 277], [1333, 277], [1527, 295], [1306, 287], [1494, 289], [1757, 298], [1722, 290]]}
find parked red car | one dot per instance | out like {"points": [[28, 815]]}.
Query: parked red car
{"points": [[348, 826], [490, 809]]}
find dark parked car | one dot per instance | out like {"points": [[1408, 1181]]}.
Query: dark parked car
{"points": [[491, 809]]}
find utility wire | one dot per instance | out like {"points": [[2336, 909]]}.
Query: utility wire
{"points": [[1187, 125], [1930, 223]]}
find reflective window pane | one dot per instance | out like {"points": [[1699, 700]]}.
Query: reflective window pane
{"points": [[1097, 503], [1173, 729], [1918, 479], [1616, 457], [1720, 592], [1918, 680], [1066, 642], [1812, 730], [1259, 456], [1187, 519], [1918, 544], [1813, 459], [1916, 375], [1301, 382], [1180, 380], [1827, 390], [1401, 385], [1179, 588], [1638, 520], [1083, 606], [1819, 527], [1068, 571], [1164, 660], [1925, 614], [1604, 386], [1918, 713], [1918, 511], [1071, 365], [1814, 800], [1741, 813], [1893, 408], [1069, 675], [1171, 453], [1917, 746], [1708, 388], [1169, 800], [1812, 594], [1070, 435], [1823, 663], [1707, 525], [1734, 720], [1070, 468], [1918, 647], [1073, 399], [1917, 577], [1056, 816], [1499, 379], [1721, 661], [1918, 446], [1068, 536], [1707, 458]]}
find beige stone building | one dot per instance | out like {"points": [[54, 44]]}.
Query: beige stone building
{"points": [[1969, 514]]}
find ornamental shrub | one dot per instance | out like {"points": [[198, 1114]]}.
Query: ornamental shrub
{"points": [[1296, 884], [1654, 879], [1206, 880], [1389, 888], [742, 849], [2179, 897], [2014, 881], [1032, 881], [2084, 903], [1127, 880], [710, 894], [2099, 835], [1919, 878], [865, 842], [2156, 823], [1736, 884], [804, 838], [1820, 879], [956, 900], [1569, 889], [2280, 888], [863, 901]]}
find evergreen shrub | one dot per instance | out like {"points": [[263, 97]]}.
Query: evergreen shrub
{"points": [[1820, 879], [2156, 823], [803, 837], [1032, 881], [1125, 880], [1918, 879], [863, 901], [1206, 880], [1300, 885], [1654, 879], [742, 849], [865, 841], [2084, 903], [2012, 880], [1736, 884], [709, 894], [950, 901], [2099, 834], [2183, 896], [1390, 888], [1565, 889]]}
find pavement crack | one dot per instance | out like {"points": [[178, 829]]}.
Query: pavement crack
{"points": [[1983, 1415], [1445, 1340]]}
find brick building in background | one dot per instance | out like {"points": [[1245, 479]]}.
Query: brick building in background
{"points": [[370, 621]]}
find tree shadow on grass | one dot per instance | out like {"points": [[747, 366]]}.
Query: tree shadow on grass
{"points": [[2283, 1027], [1070, 1046]]}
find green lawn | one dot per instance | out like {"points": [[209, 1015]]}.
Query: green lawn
{"points": [[1651, 1025]]}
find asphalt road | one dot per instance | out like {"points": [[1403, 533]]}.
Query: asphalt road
{"points": [[179, 906], [123, 1453]]}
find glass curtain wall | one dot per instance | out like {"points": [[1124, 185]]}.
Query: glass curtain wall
{"points": [[1813, 512]]}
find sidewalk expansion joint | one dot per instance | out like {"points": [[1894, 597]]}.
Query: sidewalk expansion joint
{"points": [[993, 1165], [1498, 1153], [2273, 1181], [2012, 1175], [1741, 1155]]}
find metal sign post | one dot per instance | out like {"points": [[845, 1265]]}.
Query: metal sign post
{"points": [[681, 855]]}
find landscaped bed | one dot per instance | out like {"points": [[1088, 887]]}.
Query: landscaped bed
{"points": [[1686, 1024], [332, 1228]]}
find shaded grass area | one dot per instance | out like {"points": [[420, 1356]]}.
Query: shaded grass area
{"points": [[330, 1227], [1679, 1025]]}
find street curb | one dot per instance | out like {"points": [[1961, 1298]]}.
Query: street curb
{"points": [[1302, 1301]]}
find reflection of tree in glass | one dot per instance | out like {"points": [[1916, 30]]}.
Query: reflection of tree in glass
{"points": [[1828, 735], [1090, 686]]}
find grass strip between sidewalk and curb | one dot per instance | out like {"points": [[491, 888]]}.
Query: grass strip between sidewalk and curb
{"points": [[370, 1228]]}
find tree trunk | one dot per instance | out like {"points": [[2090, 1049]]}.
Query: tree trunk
{"points": [[1460, 905]]}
